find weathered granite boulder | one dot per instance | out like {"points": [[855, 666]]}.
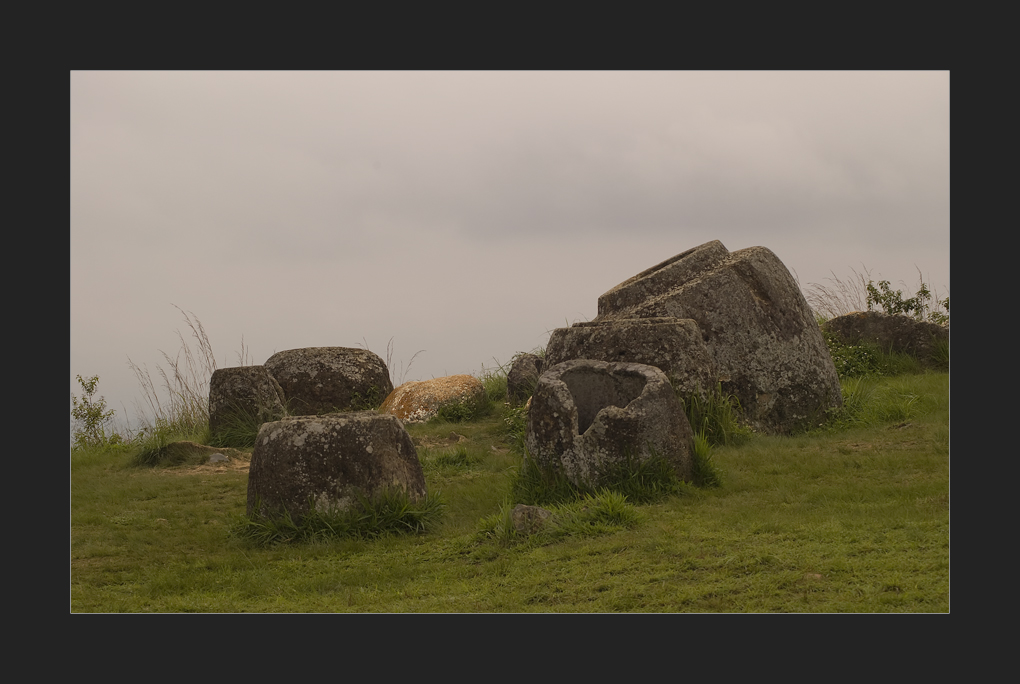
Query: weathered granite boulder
{"points": [[318, 380], [243, 393], [897, 333], [523, 375], [673, 345], [588, 417], [768, 349], [419, 401], [529, 519], [327, 461]]}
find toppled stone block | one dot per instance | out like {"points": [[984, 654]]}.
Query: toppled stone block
{"points": [[529, 519], [588, 418], [755, 322], [317, 380], [327, 462]]}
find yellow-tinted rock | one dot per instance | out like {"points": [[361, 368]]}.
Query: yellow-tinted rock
{"points": [[418, 401]]}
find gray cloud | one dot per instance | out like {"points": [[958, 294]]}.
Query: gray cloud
{"points": [[468, 213]]}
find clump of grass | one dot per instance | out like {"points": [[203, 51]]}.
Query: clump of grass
{"points": [[839, 297], [458, 458], [867, 402], [640, 480], [704, 474], [940, 354], [184, 413], [515, 424], [388, 513], [494, 381], [463, 412], [592, 514], [716, 416], [238, 429]]}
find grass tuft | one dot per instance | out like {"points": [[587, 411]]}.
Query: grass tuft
{"points": [[705, 472], [641, 481], [593, 514], [388, 513], [716, 416]]}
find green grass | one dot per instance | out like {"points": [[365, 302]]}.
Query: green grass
{"points": [[852, 517], [389, 513]]}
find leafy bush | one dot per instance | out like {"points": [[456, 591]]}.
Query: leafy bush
{"points": [[919, 306], [854, 360], [369, 401], [91, 416]]}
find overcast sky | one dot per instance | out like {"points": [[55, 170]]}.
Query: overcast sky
{"points": [[468, 214]]}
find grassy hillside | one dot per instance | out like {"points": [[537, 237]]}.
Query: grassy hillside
{"points": [[853, 517]]}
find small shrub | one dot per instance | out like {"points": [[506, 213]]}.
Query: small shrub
{"points": [[91, 416], [920, 306], [853, 360], [369, 401], [865, 358]]}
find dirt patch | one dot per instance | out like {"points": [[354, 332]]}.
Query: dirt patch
{"points": [[232, 466], [190, 457]]}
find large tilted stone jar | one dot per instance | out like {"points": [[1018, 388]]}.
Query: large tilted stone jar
{"points": [[589, 418], [327, 462], [759, 329]]}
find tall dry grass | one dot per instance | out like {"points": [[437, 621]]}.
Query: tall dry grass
{"points": [[178, 407], [839, 297]]}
